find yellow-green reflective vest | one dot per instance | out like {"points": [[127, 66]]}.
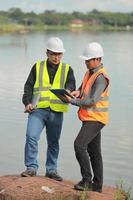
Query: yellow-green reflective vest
{"points": [[42, 86]]}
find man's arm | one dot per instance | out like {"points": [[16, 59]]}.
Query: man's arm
{"points": [[28, 87], [70, 81], [94, 95]]}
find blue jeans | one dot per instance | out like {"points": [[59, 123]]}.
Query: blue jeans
{"points": [[37, 120]]}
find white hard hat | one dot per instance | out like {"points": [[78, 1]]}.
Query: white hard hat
{"points": [[55, 44], [92, 50]]}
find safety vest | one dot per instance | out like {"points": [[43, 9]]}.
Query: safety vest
{"points": [[42, 86], [99, 111]]}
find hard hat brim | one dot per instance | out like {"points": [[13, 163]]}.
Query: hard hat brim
{"points": [[56, 51], [91, 57], [86, 58]]}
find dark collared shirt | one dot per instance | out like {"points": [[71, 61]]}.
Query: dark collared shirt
{"points": [[28, 87], [95, 93]]}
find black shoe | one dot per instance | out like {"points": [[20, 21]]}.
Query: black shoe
{"points": [[83, 185], [28, 173], [97, 190], [54, 175]]}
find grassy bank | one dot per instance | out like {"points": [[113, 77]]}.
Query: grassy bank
{"points": [[122, 192], [9, 28]]}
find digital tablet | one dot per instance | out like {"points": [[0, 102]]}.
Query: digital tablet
{"points": [[61, 92]]}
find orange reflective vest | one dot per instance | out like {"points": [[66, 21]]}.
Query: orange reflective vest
{"points": [[99, 111]]}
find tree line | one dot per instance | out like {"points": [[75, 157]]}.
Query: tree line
{"points": [[52, 17]]}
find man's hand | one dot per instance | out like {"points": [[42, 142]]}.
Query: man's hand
{"points": [[64, 99], [29, 108], [75, 93], [67, 99]]}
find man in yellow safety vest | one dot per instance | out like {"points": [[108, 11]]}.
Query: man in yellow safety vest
{"points": [[51, 73]]}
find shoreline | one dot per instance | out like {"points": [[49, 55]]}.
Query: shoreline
{"points": [[17, 28], [15, 187]]}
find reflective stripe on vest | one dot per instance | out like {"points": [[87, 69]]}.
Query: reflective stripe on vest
{"points": [[43, 86], [99, 111]]}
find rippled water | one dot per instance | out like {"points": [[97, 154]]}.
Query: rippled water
{"points": [[19, 52]]}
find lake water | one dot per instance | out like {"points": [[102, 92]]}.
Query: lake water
{"points": [[18, 52]]}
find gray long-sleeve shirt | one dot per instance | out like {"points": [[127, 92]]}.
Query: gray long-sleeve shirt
{"points": [[94, 94]]}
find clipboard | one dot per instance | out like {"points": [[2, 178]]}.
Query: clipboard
{"points": [[61, 93], [35, 100]]}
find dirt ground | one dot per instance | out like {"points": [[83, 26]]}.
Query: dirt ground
{"points": [[41, 188]]}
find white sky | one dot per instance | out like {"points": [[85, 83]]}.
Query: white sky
{"points": [[68, 5]]}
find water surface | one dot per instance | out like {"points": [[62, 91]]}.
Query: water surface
{"points": [[17, 55]]}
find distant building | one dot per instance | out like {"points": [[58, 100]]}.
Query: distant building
{"points": [[128, 27], [77, 23]]}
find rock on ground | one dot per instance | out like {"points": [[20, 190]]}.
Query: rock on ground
{"points": [[41, 188]]}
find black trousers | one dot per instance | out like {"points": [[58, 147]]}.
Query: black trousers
{"points": [[87, 147]]}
